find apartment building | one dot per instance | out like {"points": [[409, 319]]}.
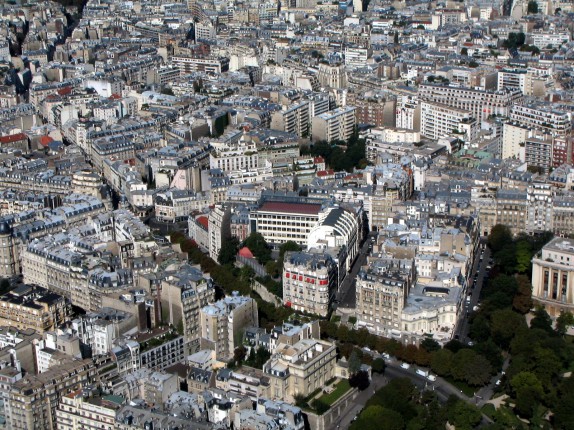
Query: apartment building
{"points": [[356, 56], [234, 155], [175, 205], [542, 39], [553, 128], [480, 104], [30, 307], [438, 121], [76, 411], [531, 82], [382, 291], [338, 124], [34, 398], [293, 119], [183, 293], [340, 227], [408, 114], [169, 353], [211, 65], [218, 228], [393, 184], [376, 112], [543, 117], [224, 322], [300, 368], [514, 136], [245, 381], [333, 76], [553, 276], [562, 215], [282, 221], [309, 282], [538, 152], [51, 262]]}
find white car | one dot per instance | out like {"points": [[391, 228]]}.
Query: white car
{"points": [[386, 356], [405, 365], [431, 378]]}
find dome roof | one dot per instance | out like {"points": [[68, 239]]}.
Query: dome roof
{"points": [[5, 228]]}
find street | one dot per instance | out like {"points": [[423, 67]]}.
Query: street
{"points": [[478, 267], [346, 295], [442, 388]]}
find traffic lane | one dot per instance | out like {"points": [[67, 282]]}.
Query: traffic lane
{"points": [[481, 270], [346, 293], [345, 419], [443, 388]]}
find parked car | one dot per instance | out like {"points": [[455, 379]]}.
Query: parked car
{"points": [[405, 365], [386, 356], [423, 372], [431, 378]]}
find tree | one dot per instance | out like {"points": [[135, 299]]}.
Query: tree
{"points": [[396, 38], [441, 361], [239, 354], [257, 245], [522, 301], [532, 7], [360, 380], [564, 409], [288, 246], [500, 235], [354, 363], [564, 320], [504, 324], [251, 357], [430, 345], [247, 273], [541, 320], [167, 91], [464, 415], [379, 365], [468, 366], [228, 251], [320, 406], [523, 256], [526, 380], [378, 417], [464, 51]]}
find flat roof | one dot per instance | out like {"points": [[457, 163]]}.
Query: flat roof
{"points": [[291, 208]]}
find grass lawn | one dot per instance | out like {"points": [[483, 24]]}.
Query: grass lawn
{"points": [[341, 388], [466, 389]]}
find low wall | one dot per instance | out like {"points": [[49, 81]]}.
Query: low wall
{"points": [[330, 418], [265, 294]]}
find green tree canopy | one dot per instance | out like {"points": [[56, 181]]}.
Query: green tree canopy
{"points": [[563, 322], [532, 7], [257, 245], [522, 301], [470, 367], [541, 320], [228, 251], [378, 365], [464, 415], [379, 417], [441, 361], [504, 324], [354, 363], [499, 236]]}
